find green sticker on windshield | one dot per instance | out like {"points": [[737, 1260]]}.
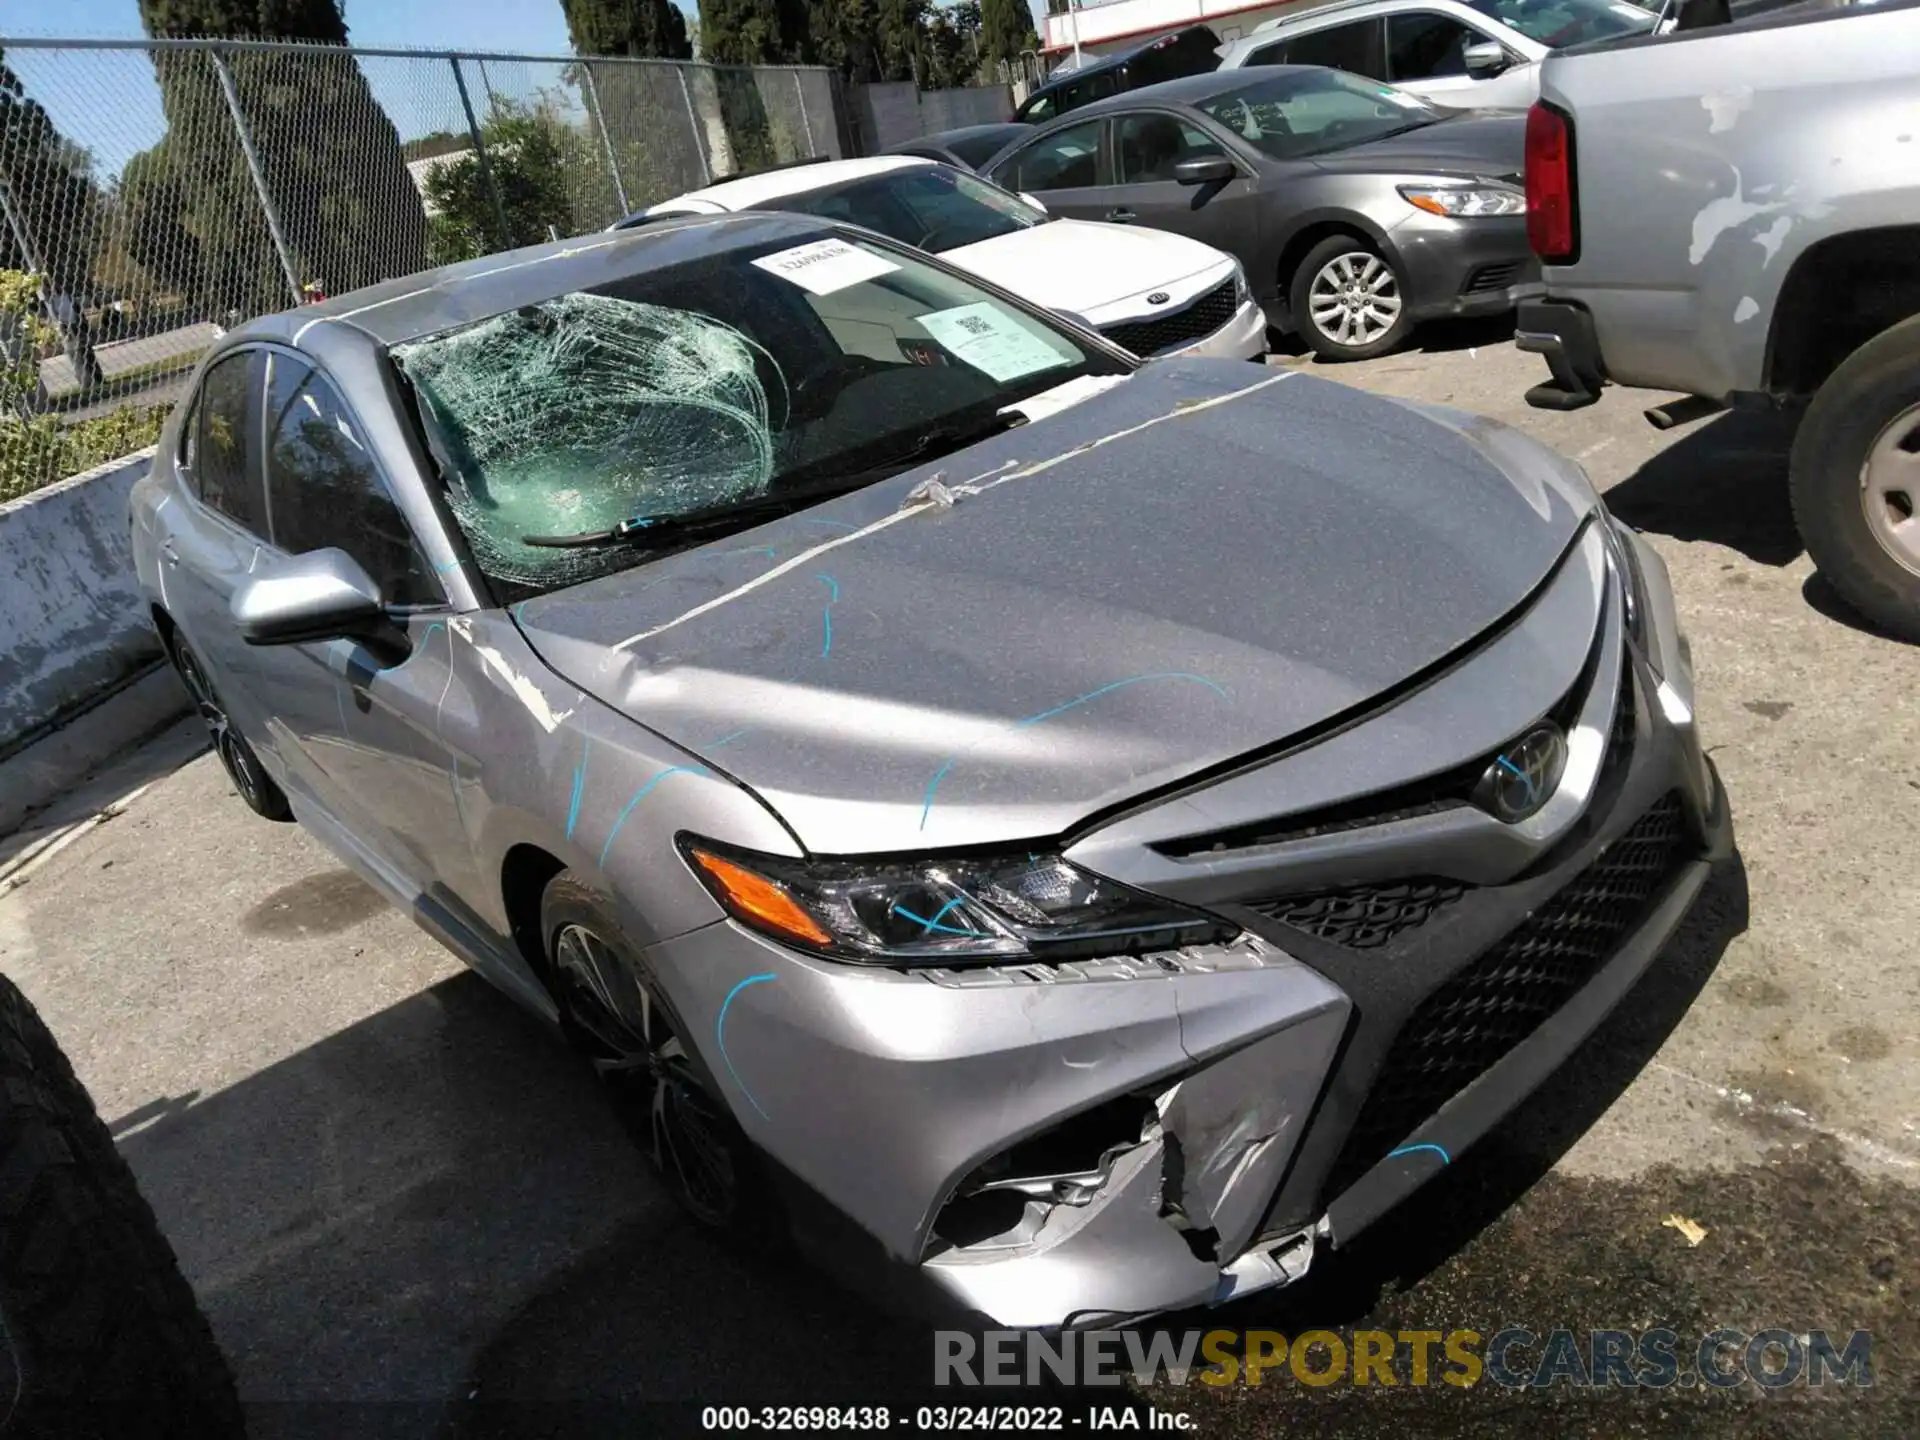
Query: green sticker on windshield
{"points": [[990, 339]]}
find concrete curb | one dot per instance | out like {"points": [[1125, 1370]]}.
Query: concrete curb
{"points": [[35, 776]]}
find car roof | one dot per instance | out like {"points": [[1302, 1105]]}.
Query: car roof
{"points": [[941, 139], [1188, 90], [1098, 63], [751, 191], [396, 311]]}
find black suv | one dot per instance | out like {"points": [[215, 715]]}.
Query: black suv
{"points": [[1192, 51]]}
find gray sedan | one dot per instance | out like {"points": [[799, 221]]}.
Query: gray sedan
{"points": [[1079, 836], [1357, 210]]}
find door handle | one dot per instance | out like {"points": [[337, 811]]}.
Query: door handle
{"points": [[168, 553], [1122, 217]]}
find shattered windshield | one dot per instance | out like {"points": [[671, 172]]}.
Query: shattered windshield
{"points": [[752, 377], [1311, 112], [929, 207]]}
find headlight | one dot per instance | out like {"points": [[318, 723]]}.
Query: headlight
{"points": [[1633, 587], [1466, 202], [944, 912], [1242, 292]]}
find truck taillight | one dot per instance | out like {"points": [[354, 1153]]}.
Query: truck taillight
{"points": [[1553, 226]]}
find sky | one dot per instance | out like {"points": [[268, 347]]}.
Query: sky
{"points": [[109, 102]]}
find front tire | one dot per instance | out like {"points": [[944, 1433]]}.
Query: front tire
{"points": [[248, 776], [1348, 301], [101, 1332], [614, 1011], [1855, 480]]}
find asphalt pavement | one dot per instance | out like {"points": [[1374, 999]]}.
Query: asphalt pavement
{"points": [[400, 1202]]}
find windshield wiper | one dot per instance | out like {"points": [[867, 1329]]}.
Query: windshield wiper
{"points": [[665, 529], [652, 530]]}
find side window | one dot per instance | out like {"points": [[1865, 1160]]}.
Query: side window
{"points": [[1340, 47], [1274, 54], [1068, 159], [1041, 107], [326, 490], [1151, 145], [224, 450], [1424, 46]]}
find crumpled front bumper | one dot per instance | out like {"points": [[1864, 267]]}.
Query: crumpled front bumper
{"points": [[1244, 1077], [1244, 337]]}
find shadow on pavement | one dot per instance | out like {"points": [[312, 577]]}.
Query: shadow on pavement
{"points": [[430, 1225], [1724, 482]]}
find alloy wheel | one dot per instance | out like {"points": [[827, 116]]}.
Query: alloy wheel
{"points": [[630, 1040], [1354, 299], [1890, 489], [236, 756]]}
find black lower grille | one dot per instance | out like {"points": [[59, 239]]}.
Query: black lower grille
{"points": [[1363, 917], [1183, 327], [1491, 277], [1475, 1018]]}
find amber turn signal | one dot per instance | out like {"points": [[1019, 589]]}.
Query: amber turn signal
{"points": [[758, 901]]}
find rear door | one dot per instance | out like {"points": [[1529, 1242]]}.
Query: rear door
{"points": [[1067, 168], [367, 718], [1147, 144], [211, 540]]}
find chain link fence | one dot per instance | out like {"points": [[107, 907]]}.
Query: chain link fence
{"points": [[155, 193]]}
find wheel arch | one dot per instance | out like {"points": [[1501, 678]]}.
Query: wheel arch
{"points": [[1314, 227], [525, 872], [1840, 293]]}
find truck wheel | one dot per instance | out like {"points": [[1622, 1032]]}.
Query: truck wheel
{"points": [[1347, 301], [1856, 480], [101, 1333]]}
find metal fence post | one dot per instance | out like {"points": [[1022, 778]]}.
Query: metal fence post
{"points": [[805, 120], [480, 151], [693, 127], [600, 118], [280, 246]]}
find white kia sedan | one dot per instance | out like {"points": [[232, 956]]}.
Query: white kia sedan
{"points": [[1148, 291]]}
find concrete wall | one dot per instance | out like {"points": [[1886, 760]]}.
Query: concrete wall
{"points": [[886, 114], [72, 624]]}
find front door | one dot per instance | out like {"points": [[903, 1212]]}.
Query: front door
{"points": [[1223, 214], [367, 716]]}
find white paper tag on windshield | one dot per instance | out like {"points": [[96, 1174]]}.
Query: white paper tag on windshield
{"points": [[825, 266], [1403, 100], [988, 339]]}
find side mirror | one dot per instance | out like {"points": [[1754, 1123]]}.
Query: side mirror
{"points": [[1034, 201], [1486, 59], [1206, 170], [322, 595]]}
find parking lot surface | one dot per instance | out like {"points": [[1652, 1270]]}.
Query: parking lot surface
{"points": [[392, 1190]]}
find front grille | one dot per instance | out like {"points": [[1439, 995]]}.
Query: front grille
{"points": [[1471, 1021], [1491, 277], [1183, 327], [1363, 917]]}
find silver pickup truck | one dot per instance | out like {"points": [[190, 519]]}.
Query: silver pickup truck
{"points": [[1734, 213]]}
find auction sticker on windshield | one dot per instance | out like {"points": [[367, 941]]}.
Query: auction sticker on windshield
{"points": [[989, 339], [825, 266]]}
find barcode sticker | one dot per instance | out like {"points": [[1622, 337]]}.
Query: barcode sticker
{"points": [[993, 340]]}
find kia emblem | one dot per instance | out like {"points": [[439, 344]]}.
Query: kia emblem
{"points": [[1158, 297]]}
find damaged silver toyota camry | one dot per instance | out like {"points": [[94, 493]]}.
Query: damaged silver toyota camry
{"points": [[1064, 838]]}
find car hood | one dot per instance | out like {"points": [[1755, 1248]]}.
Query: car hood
{"points": [[1195, 563], [1100, 272], [1485, 142]]}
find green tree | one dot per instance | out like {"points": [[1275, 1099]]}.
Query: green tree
{"points": [[647, 28], [1006, 28], [332, 158], [53, 210], [545, 172], [756, 32]]}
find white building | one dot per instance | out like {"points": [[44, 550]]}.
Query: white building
{"points": [[1107, 26]]}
